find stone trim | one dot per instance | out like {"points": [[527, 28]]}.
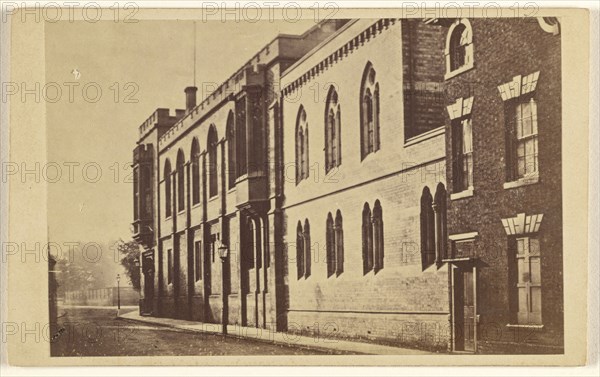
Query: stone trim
{"points": [[462, 107], [520, 85], [522, 224]]}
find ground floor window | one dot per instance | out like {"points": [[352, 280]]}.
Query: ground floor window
{"points": [[527, 282]]}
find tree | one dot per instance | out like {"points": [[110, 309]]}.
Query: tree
{"points": [[130, 252]]}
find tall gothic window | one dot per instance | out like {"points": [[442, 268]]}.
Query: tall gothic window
{"points": [[427, 229], [301, 146], [213, 185], [377, 236], [339, 243], [369, 112], [333, 144], [195, 154], [335, 244], [367, 239], [231, 149], [303, 250], [167, 178], [180, 181]]}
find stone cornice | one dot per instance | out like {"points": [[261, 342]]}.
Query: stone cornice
{"points": [[349, 47]]}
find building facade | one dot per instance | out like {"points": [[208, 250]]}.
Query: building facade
{"points": [[345, 177]]}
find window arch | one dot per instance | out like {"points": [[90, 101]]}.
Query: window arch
{"points": [[367, 239], [369, 112], [167, 178], [180, 180], [377, 236], [339, 243], [427, 229], [333, 144], [301, 146], [231, 151], [459, 47], [212, 141], [195, 156]]}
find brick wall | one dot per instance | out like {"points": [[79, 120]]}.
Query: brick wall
{"points": [[501, 52]]}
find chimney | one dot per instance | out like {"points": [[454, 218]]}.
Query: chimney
{"points": [[190, 98]]}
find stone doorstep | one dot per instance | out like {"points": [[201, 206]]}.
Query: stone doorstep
{"points": [[282, 338]]}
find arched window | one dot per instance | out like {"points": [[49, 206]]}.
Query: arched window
{"points": [[367, 239], [427, 229], [333, 145], [231, 147], [378, 236], [330, 245], [167, 177], [300, 250], [195, 155], [440, 221], [459, 47], [339, 243], [369, 112], [307, 249], [213, 185], [180, 181], [301, 146]]}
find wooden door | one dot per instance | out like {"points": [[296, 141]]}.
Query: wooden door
{"points": [[464, 309]]}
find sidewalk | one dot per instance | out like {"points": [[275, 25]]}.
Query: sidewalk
{"points": [[266, 335]]}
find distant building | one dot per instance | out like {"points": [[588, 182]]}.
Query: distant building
{"points": [[103, 297], [373, 179]]}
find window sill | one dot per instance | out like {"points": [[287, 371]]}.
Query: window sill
{"points": [[531, 180], [532, 327], [213, 198], [425, 136], [457, 72], [232, 190], [463, 194], [181, 212], [199, 204]]}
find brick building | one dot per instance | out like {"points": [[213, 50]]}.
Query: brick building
{"points": [[503, 139], [349, 174]]}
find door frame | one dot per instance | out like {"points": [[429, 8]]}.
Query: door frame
{"points": [[458, 265]]}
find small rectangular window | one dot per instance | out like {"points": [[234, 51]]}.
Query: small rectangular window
{"points": [[462, 141]]}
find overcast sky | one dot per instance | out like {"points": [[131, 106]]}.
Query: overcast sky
{"points": [[157, 57]]}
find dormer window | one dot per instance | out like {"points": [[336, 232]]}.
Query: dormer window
{"points": [[459, 48]]}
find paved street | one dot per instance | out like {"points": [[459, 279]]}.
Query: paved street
{"points": [[97, 332]]}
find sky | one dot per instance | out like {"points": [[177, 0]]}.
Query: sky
{"points": [[136, 68]]}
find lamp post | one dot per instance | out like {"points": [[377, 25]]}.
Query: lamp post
{"points": [[118, 291], [223, 254]]}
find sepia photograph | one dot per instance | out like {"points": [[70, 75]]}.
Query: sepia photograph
{"points": [[295, 182]]}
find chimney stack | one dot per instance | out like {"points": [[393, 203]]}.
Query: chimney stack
{"points": [[190, 98]]}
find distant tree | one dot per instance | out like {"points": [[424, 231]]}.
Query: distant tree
{"points": [[130, 252]]}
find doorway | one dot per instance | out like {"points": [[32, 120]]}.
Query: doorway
{"points": [[465, 308]]}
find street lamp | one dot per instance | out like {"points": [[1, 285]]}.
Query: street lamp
{"points": [[118, 291], [223, 254]]}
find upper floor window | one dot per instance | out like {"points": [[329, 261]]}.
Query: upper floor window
{"points": [[180, 181], [303, 250], [524, 139], [195, 153], [462, 150], [459, 48], [301, 146], [231, 149], [212, 143], [167, 177], [333, 150], [369, 112]]}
